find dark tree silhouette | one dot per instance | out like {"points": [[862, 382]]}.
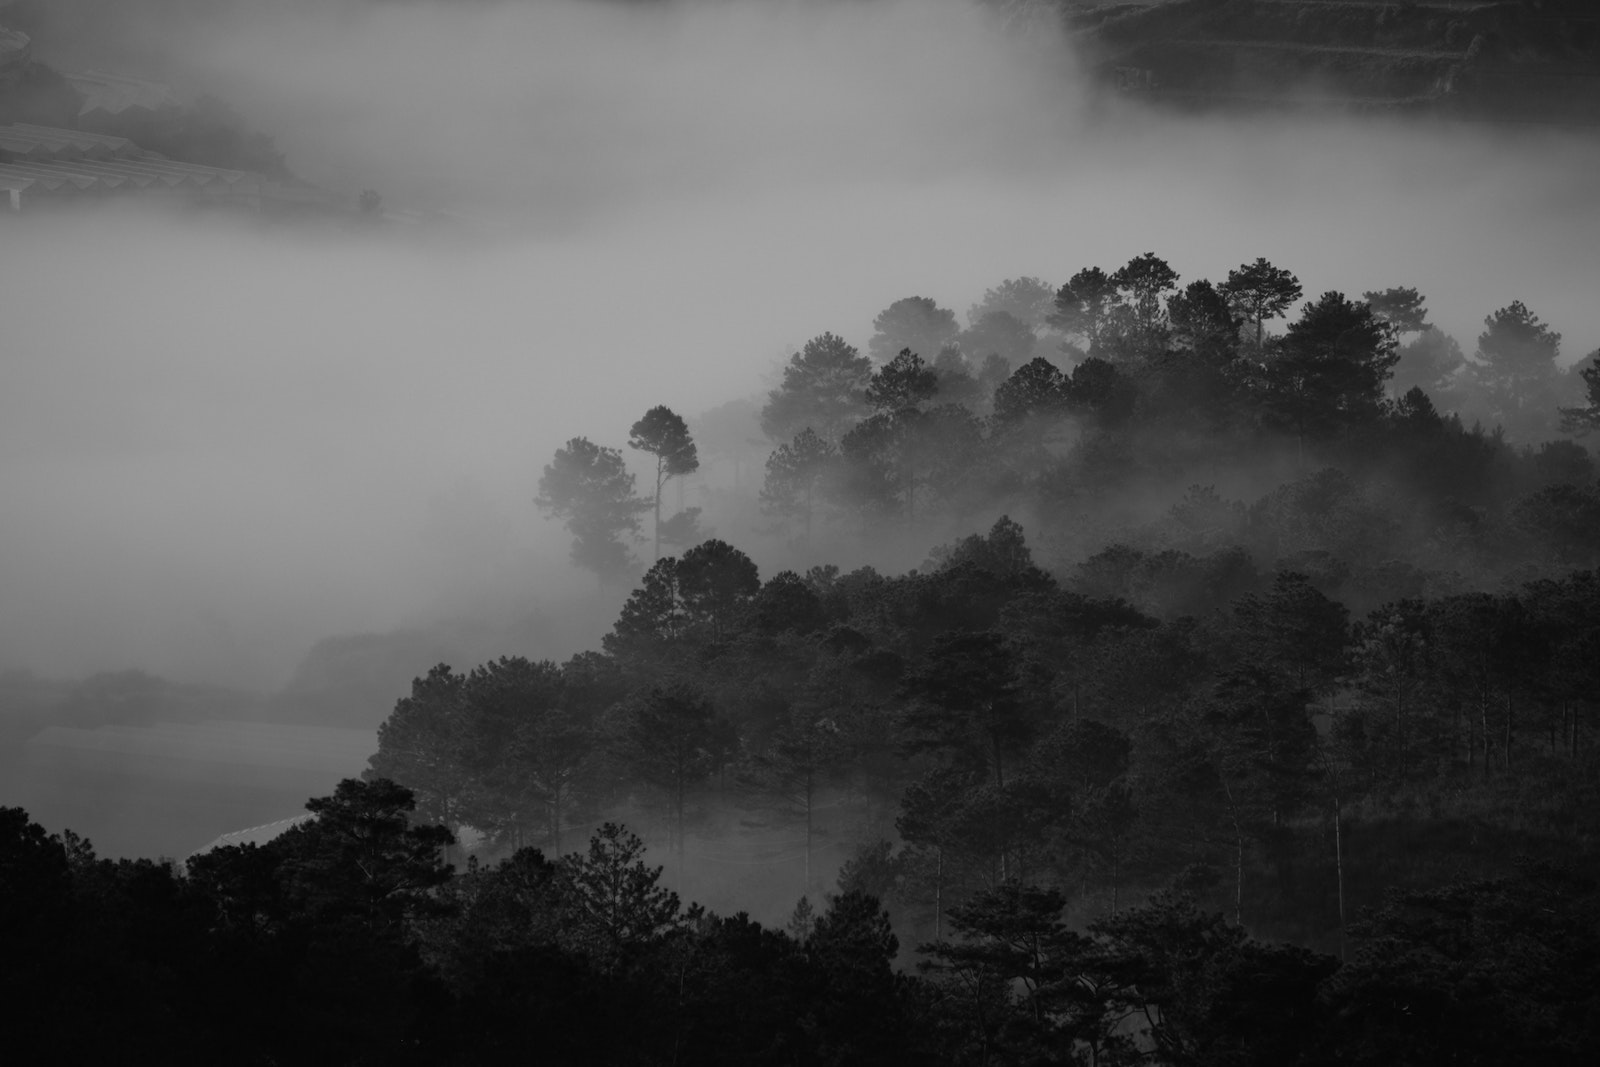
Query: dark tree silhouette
{"points": [[915, 323], [420, 746], [1585, 418], [903, 383], [795, 474], [362, 859], [1035, 390], [664, 435], [787, 603], [1028, 300], [716, 581], [1400, 309], [1084, 304], [806, 753], [653, 618], [1331, 369], [966, 699], [1145, 280], [824, 389], [617, 902], [1259, 291], [526, 749], [1518, 354], [1097, 388], [588, 488], [1203, 321], [675, 739]]}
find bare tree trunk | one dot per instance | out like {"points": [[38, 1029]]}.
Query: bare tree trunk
{"points": [[1238, 879], [809, 806], [1000, 783], [1508, 735], [1455, 728], [1400, 727], [1338, 861], [1116, 856], [1483, 718], [808, 522], [1238, 866], [682, 861], [656, 530]]}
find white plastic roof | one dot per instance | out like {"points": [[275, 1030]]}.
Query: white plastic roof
{"points": [[67, 142], [114, 93], [43, 158]]}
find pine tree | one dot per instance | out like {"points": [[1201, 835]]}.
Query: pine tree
{"points": [[796, 472], [1259, 291], [664, 435], [588, 487]]}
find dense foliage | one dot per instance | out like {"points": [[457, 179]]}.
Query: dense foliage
{"points": [[1108, 825], [1306, 776]]}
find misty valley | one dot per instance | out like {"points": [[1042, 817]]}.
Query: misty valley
{"points": [[978, 532]]}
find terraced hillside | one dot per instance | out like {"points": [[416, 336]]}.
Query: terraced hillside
{"points": [[1507, 60]]}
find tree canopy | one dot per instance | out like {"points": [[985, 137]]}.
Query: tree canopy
{"points": [[663, 434], [824, 390], [1260, 291], [589, 488], [916, 323]]}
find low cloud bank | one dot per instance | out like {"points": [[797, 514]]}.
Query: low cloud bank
{"points": [[220, 443]]}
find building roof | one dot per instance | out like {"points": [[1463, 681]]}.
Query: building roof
{"points": [[70, 143], [109, 175], [115, 93], [43, 158], [49, 160]]}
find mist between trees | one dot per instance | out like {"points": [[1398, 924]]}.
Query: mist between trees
{"points": [[1302, 779], [1127, 407]]}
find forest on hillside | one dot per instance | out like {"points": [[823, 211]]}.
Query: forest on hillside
{"points": [[1508, 61], [1361, 445], [1134, 772]]}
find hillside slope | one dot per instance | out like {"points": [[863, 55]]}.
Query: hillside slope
{"points": [[1506, 60]]}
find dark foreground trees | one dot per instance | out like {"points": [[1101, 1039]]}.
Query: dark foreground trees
{"points": [[348, 942], [1125, 778]]}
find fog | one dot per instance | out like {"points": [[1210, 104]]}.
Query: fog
{"points": [[220, 441]]}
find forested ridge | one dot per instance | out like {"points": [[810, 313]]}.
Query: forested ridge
{"points": [[1520, 61], [1136, 772]]}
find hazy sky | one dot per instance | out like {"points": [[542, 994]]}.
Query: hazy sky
{"points": [[219, 443]]}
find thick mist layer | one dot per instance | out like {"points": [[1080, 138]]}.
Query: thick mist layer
{"points": [[219, 443]]}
